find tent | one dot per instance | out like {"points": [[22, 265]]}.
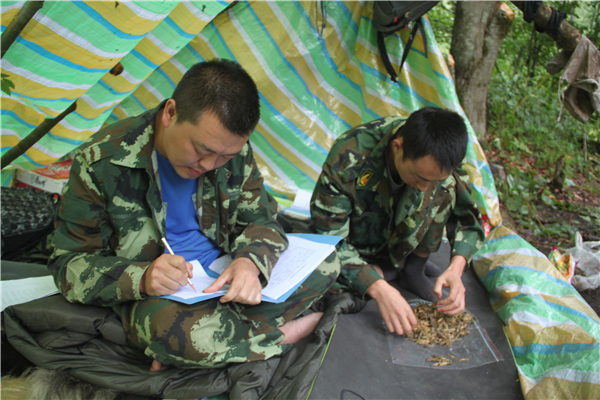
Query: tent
{"points": [[318, 70]]}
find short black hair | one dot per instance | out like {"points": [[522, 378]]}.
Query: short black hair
{"points": [[437, 132], [223, 87]]}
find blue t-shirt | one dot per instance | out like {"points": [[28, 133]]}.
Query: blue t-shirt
{"points": [[183, 230]]}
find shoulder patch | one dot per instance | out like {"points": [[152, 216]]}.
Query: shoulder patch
{"points": [[364, 178]]}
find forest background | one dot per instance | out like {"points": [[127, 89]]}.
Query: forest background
{"points": [[546, 163]]}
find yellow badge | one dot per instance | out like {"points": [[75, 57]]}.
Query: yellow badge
{"points": [[365, 178]]}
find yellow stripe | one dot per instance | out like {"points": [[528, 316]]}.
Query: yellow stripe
{"points": [[186, 20], [275, 182], [524, 333], [556, 388], [123, 17], [295, 57], [28, 87], [63, 47]]}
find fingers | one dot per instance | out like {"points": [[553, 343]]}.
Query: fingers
{"points": [[455, 302], [402, 323], [243, 277], [165, 275], [397, 314], [217, 284], [242, 293]]}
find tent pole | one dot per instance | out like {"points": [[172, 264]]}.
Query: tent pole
{"points": [[13, 30], [34, 136]]}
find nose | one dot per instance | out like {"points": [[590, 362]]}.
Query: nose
{"points": [[208, 162], [423, 186]]}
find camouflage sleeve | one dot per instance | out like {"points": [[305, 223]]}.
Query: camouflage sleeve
{"points": [[462, 217], [330, 209], [84, 268], [470, 234], [257, 234]]}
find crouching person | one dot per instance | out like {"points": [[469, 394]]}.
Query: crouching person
{"points": [[184, 171], [390, 188]]}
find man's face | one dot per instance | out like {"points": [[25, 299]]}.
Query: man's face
{"points": [[194, 149], [417, 173]]}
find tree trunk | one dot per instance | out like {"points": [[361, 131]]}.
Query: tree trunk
{"points": [[479, 28]]}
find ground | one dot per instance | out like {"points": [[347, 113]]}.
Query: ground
{"points": [[581, 200]]}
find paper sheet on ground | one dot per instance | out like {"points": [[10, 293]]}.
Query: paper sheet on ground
{"points": [[303, 256]]}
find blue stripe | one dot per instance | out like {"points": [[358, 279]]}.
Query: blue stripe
{"points": [[12, 114], [292, 69], [93, 14], [292, 127], [266, 143], [325, 52], [178, 29], [219, 37], [565, 311], [507, 237], [135, 53], [166, 77], [142, 106], [527, 270], [39, 100], [401, 86], [541, 348], [74, 142], [111, 89], [51, 56], [24, 155]]}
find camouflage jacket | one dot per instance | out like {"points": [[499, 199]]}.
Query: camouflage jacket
{"points": [[353, 199], [112, 218]]}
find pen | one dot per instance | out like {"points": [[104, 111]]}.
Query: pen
{"points": [[171, 252]]}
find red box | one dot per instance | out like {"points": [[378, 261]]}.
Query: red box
{"points": [[52, 178]]}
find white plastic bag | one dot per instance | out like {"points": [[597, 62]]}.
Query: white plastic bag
{"points": [[587, 255]]}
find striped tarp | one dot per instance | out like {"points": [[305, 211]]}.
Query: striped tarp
{"points": [[316, 64], [553, 332], [318, 71]]}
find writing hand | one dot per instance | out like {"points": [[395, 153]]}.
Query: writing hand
{"points": [[394, 309], [243, 277], [165, 275]]}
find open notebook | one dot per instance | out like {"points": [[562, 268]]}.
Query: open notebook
{"points": [[297, 262]]}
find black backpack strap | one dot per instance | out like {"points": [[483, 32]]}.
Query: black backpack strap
{"points": [[384, 54]]}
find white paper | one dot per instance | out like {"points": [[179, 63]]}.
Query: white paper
{"points": [[201, 281], [17, 291], [302, 200], [294, 266]]}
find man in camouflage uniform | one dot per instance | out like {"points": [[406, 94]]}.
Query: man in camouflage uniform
{"points": [[107, 245], [390, 187]]}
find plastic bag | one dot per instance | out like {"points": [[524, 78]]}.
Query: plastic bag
{"points": [[565, 263], [587, 255], [472, 350]]}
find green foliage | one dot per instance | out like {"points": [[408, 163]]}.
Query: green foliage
{"points": [[529, 130], [6, 84]]}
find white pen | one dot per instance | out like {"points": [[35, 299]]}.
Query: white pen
{"points": [[171, 252]]}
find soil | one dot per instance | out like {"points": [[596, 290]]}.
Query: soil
{"points": [[582, 195]]}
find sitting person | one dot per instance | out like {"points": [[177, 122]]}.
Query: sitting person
{"points": [[183, 171], [389, 188]]}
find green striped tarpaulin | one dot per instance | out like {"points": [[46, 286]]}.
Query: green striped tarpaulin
{"points": [[318, 70], [316, 65]]}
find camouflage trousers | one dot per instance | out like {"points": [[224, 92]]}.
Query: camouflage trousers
{"points": [[210, 334]]}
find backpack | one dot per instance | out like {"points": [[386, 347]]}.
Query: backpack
{"points": [[391, 16], [28, 216]]}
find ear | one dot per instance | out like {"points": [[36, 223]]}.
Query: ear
{"points": [[397, 144], [169, 115]]}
